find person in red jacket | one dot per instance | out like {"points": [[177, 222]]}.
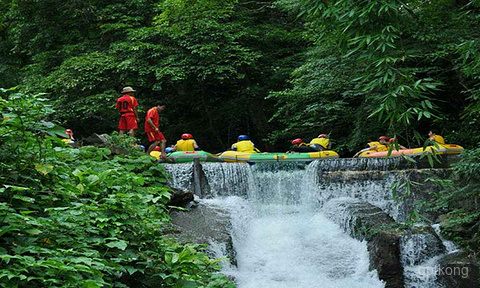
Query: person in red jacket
{"points": [[155, 136], [127, 106]]}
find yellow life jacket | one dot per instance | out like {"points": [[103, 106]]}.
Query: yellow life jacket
{"points": [[244, 146], [379, 146], [439, 139], [185, 145], [321, 141]]}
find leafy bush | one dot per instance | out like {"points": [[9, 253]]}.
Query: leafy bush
{"points": [[82, 217]]}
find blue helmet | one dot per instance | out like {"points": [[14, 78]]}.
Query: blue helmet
{"points": [[168, 150], [243, 137]]}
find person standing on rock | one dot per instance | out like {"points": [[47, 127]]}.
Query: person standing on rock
{"points": [[127, 106], [155, 136]]}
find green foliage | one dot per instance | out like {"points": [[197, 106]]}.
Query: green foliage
{"points": [[216, 60], [459, 201], [82, 217], [363, 68], [410, 65]]}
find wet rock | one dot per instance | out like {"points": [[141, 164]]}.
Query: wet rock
{"points": [[364, 221], [205, 225], [200, 182], [390, 249], [384, 252], [96, 139], [180, 198], [418, 244], [459, 270]]}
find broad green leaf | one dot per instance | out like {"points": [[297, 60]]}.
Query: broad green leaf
{"points": [[43, 168], [24, 198], [117, 244]]}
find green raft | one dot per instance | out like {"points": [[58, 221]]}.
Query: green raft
{"points": [[187, 156], [234, 156]]}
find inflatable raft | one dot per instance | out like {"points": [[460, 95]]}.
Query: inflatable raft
{"points": [[441, 149], [187, 156], [234, 156]]}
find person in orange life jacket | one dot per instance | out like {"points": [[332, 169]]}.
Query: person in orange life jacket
{"points": [[321, 140], [436, 138], [155, 136], [300, 146], [244, 145], [127, 106], [187, 143], [392, 142]]}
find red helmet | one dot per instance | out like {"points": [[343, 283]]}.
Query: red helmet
{"points": [[391, 140], [187, 136], [297, 141], [68, 131], [322, 136], [384, 138]]}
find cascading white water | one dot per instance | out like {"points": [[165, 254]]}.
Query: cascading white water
{"points": [[181, 175], [420, 255], [283, 240], [282, 237], [345, 178], [450, 247], [417, 252], [226, 179]]}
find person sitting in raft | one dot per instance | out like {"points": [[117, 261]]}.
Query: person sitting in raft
{"points": [[187, 143], [436, 138], [244, 145], [69, 139], [321, 140], [167, 150], [375, 146], [395, 140], [300, 146]]}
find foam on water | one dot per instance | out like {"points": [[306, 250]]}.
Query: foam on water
{"points": [[282, 237], [283, 240]]}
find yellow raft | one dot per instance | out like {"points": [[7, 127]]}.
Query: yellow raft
{"points": [[441, 149], [234, 156]]}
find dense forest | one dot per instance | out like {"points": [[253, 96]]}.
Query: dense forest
{"points": [[275, 70]]}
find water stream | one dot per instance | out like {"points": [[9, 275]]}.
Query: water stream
{"points": [[280, 234]]}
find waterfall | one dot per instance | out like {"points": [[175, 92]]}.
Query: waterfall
{"points": [[370, 180], [418, 252], [224, 179], [280, 236], [283, 232], [181, 175], [420, 255]]}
